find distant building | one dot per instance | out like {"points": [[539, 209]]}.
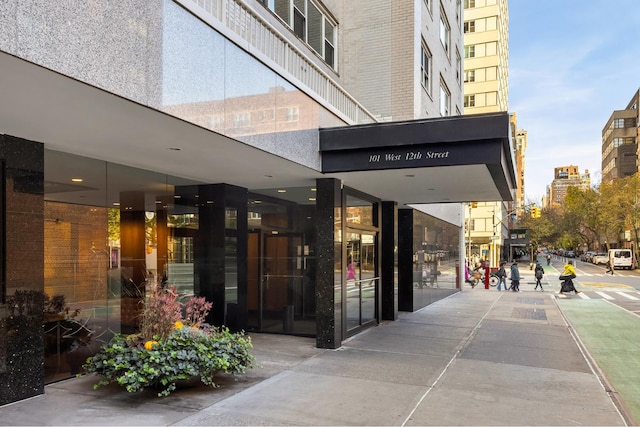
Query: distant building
{"points": [[620, 142], [565, 177]]}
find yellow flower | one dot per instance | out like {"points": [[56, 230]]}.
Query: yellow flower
{"points": [[178, 325], [149, 344]]}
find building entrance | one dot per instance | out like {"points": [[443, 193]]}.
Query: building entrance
{"points": [[361, 279]]}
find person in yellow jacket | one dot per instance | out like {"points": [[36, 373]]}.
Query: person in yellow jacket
{"points": [[568, 274]]}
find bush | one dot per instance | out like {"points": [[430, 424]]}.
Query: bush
{"points": [[191, 348]]}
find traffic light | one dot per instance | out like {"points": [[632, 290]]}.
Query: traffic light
{"points": [[535, 212]]}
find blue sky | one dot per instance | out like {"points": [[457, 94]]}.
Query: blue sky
{"points": [[571, 64]]}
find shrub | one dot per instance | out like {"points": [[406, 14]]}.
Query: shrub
{"points": [[165, 354]]}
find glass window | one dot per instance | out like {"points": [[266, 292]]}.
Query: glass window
{"points": [[106, 239], [359, 211], [445, 31], [470, 76], [445, 100], [470, 101], [425, 68], [470, 27], [470, 51], [329, 35], [315, 33]]}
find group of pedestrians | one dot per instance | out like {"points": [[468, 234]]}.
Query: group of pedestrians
{"points": [[514, 275], [568, 274]]}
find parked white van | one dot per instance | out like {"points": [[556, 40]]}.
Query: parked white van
{"points": [[621, 258]]}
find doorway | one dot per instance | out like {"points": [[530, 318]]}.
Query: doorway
{"points": [[361, 279], [278, 290]]}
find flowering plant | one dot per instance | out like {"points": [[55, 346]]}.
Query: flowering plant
{"points": [[171, 347]]}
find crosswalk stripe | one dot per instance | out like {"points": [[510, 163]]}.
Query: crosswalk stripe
{"points": [[626, 295], [583, 295], [603, 295]]}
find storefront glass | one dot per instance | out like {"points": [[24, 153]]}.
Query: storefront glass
{"points": [[435, 258], [110, 232]]}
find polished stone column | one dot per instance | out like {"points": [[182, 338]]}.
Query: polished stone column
{"points": [[21, 269], [329, 288], [405, 259], [389, 261], [213, 266]]}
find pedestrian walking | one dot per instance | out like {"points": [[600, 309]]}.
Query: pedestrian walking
{"points": [[539, 272], [609, 267], [501, 274], [515, 277], [548, 259]]}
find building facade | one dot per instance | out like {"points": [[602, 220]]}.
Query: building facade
{"points": [[565, 177], [620, 142], [222, 148]]}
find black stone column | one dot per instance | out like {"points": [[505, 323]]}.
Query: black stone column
{"points": [[405, 259], [329, 259], [21, 269], [389, 261], [217, 257]]}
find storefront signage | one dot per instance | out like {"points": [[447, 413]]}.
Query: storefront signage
{"points": [[395, 158]]}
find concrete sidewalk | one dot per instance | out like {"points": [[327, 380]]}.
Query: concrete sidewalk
{"points": [[478, 357]]}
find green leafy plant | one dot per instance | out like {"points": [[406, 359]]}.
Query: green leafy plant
{"points": [[171, 348]]}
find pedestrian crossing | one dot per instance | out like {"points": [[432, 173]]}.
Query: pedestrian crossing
{"points": [[610, 295], [581, 274]]}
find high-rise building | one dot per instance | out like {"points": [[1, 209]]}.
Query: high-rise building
{"points": [[486, 89], [620, 141], [249, 152], [563, 178], [486, 56]]}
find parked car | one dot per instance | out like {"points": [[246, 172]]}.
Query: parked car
{"points": [[570, 254], [586, 257], [600, 258]]}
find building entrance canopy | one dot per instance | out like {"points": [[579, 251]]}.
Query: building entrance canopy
{"points": [[452, 159]]}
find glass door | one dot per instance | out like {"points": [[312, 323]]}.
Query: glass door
{"points": [[361, 278]]}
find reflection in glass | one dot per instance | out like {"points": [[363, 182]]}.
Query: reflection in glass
{"points": [[359, 211], [106, 239], [436, 257]]}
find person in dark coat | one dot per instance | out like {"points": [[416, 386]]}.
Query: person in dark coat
{"points": [[539, 272], [515, 277]]}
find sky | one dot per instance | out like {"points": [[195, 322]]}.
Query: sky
{"points": [[571, 64]]}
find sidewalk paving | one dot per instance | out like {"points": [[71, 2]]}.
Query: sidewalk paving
{"points": [[478, 357]]}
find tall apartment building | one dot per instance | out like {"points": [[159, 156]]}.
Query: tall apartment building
{"points": [[620, 142], [486, 89], [486, 56], [250, 152], [563, 178]]}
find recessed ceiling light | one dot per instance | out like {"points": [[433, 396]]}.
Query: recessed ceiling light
{"points": [[282, 191], [314, 189], [312, 199], [177, 196], [116, 203], [77, 179]]}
